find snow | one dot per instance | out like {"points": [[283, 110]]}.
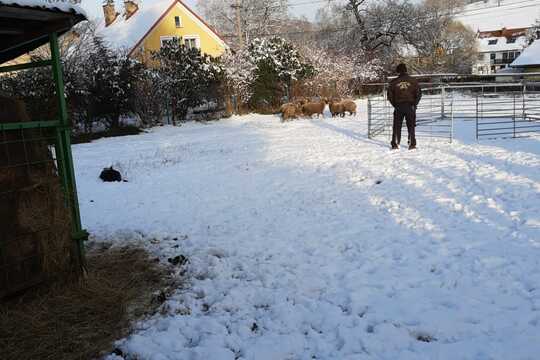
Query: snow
{"points": [[62, 5], [501, 45], [124, 34], [307, 240], [529, 56], [487, 16]]}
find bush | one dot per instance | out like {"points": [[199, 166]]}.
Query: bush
{"points": [[264, 72], [186, 77], [111, 85]]}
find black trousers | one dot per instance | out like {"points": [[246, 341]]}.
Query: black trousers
{"points": [[401, 111]]}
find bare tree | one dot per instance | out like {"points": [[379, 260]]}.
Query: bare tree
{"points": [[334, 72], [433, 17], [379, 24], [441, 43], [257, 17], [533, 33], [459, 49]]}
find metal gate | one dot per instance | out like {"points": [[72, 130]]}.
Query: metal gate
{"points": [[434, 115], [513, 114], [499, 110]]}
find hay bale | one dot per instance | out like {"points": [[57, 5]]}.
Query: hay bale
{"points": [[36, 224]]}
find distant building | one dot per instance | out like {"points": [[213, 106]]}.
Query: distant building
{"points": [[141, 28], [501, 26], [498, 49], [529, 61]]}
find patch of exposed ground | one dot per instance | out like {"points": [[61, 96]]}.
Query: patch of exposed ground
{"points": [[82, 320]]}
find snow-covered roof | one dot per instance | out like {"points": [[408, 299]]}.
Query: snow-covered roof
{"points": [[501, 44], [529, 57], [126, 34], [59, 5], [26, 24], [488, 15]]}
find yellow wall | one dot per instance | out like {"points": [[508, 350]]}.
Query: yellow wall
{"points": [[167, 27]]}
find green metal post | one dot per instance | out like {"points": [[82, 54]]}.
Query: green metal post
{"points": [[63, 148]]}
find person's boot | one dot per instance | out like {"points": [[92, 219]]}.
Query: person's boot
{"points": [[412, 147], [395, 147]]}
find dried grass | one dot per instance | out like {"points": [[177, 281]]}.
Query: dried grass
{"points": [[35, 223], [82, 320]]}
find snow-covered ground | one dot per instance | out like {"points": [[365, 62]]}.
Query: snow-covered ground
{"points": [[306, 240]]}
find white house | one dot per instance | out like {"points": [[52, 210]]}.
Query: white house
{"points": [[498, 49], [529, 61], [501, 26]]}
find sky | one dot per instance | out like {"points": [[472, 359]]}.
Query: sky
{"points": [[298, 8]]}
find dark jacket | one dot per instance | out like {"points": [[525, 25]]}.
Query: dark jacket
{"points": [[404, 90]]}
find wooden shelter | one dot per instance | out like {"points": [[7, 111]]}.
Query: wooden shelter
{"points": [[40, 228]]}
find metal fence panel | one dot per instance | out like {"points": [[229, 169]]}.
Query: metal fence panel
{"points": [[433, 116], [499, 110], [515, 114]]}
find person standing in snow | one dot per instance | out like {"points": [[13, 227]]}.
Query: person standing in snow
{"points": [[404, 94]]}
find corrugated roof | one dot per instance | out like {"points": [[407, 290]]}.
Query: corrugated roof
{"points": [[60, 5], [26, 24]]}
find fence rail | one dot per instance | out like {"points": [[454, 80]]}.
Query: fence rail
{"points": [[499, 110], [432, 119]]}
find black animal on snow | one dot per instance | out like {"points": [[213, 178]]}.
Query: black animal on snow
{"points": [[110, 175]]}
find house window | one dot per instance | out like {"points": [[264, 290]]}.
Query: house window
{"points": [[511, 40], [492, 42], [178, 21], [509, 56], [481, 57], [167, 40], [492, 56], [192, 42]]}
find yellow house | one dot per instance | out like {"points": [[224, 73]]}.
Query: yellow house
{"points": [[142, 27]]}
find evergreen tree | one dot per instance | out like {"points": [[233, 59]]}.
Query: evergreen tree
{"points": [[186, 76], [111, 90], [277, 64]]}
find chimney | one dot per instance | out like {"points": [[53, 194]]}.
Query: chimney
{"points": [[109, 12], [130, 8]]}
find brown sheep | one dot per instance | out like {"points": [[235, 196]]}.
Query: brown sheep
{"points": [[301, 100], [336, 108], [289, 111], [350, 106], [314, 108], [299, 103]]}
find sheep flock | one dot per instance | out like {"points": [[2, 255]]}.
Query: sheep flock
{"points": [[304, 108]]}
